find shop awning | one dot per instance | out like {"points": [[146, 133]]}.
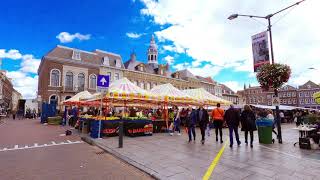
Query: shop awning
{"points": [[205, 97], [77, 97], [169, 93]]}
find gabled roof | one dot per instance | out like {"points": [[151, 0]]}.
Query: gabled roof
{"points": [[227, 89], [186, 74], [131, 65], [287, 87], [94, 57], [309, 83]]}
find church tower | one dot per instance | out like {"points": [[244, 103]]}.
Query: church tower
{"points": [[152, 52]]}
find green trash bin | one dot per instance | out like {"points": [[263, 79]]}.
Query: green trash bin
{"points": [[265, 131]]}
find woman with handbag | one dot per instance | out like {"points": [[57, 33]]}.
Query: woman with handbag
{"points": [[248, 124]]}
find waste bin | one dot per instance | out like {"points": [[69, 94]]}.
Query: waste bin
{"points": [[264, 130]]}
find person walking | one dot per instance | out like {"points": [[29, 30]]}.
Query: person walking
{"points": [[232, 117], [177, 122], [217, 116], [248, 124], [191, 123], [203, 118]]}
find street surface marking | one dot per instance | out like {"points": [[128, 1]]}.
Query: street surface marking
{"points": [[214, 163], [16, 147], [288, 154]]}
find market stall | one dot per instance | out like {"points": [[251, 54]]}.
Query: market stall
{"points": [[123, 93], [206, 98], [169, 95], [76, 98]]}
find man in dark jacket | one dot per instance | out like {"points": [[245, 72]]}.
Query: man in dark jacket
{"points": [[203, 119], [232, 117], [191, 123]]}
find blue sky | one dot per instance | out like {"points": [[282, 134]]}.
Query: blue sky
{"points": [[190, 34]]}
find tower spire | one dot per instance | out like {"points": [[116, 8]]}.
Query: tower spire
{"points": [[152, 52]]}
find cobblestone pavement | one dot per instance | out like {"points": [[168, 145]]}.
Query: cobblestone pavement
{"points": [[172, 157], [29, 150]]}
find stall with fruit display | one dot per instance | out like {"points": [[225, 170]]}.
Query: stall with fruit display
{"points": [[123, 93]]}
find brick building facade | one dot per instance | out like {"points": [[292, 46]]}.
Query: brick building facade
{"points": [[289, 95], [6, 89], [65, 71]]}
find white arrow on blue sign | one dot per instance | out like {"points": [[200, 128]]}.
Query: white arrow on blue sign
{"points": [[103, 81]]}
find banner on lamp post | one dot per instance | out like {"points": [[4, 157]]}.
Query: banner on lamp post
{"points": [[260, 50]]}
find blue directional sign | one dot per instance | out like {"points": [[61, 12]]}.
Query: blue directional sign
{"points": [[103, 81]]}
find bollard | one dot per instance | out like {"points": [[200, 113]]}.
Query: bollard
{"points": [[120, 134], [99, 130]]}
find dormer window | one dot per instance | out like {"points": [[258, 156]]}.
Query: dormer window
{"points": [[117, 62], [105, 61], [141, 67], [76, 55]]}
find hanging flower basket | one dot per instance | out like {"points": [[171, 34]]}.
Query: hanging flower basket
{"points": [[273, 75]]}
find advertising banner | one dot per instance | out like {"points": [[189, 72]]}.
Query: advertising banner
{"points": [[260, 50]]}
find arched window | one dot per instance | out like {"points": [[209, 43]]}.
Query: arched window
{"points": [[93, 81], [148, 86], [81, 82], [55, 77], [67, 97], [69, 81], [53, 99], [142, 85]]}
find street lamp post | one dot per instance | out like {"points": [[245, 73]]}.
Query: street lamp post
{"points": [[268, 18]]}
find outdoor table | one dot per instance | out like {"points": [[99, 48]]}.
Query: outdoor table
{"points": [[303, 132]]}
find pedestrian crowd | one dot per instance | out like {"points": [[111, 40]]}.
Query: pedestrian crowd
{"points": [[232, 118]]}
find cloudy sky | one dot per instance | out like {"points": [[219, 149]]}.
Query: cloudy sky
{"points": [[193, 34]]}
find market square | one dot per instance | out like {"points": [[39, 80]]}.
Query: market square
{"points": [[159, 89]]}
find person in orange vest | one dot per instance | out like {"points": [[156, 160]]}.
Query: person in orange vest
{"points": [[217, 116]]}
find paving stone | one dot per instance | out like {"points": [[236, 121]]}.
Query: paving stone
{"points": [[181, 176], [174, 158], [262, 171], [257, 177]]}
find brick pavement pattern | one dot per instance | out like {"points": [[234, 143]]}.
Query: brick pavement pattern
{"points": [[172, 157], [73, 161]]}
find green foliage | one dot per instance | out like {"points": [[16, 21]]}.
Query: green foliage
{"points": [[312, 118], [273, 75]]}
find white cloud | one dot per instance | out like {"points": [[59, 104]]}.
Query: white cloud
{"points": [[235, 86], [205, 70], [25, 84], [169, 59], [24, 79], [11, 54], [66, 37], [203, 29], [173, 48], [134, 35], [29, 64]]}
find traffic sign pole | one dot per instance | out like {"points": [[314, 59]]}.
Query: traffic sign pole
{"points": [[103, 83]]}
